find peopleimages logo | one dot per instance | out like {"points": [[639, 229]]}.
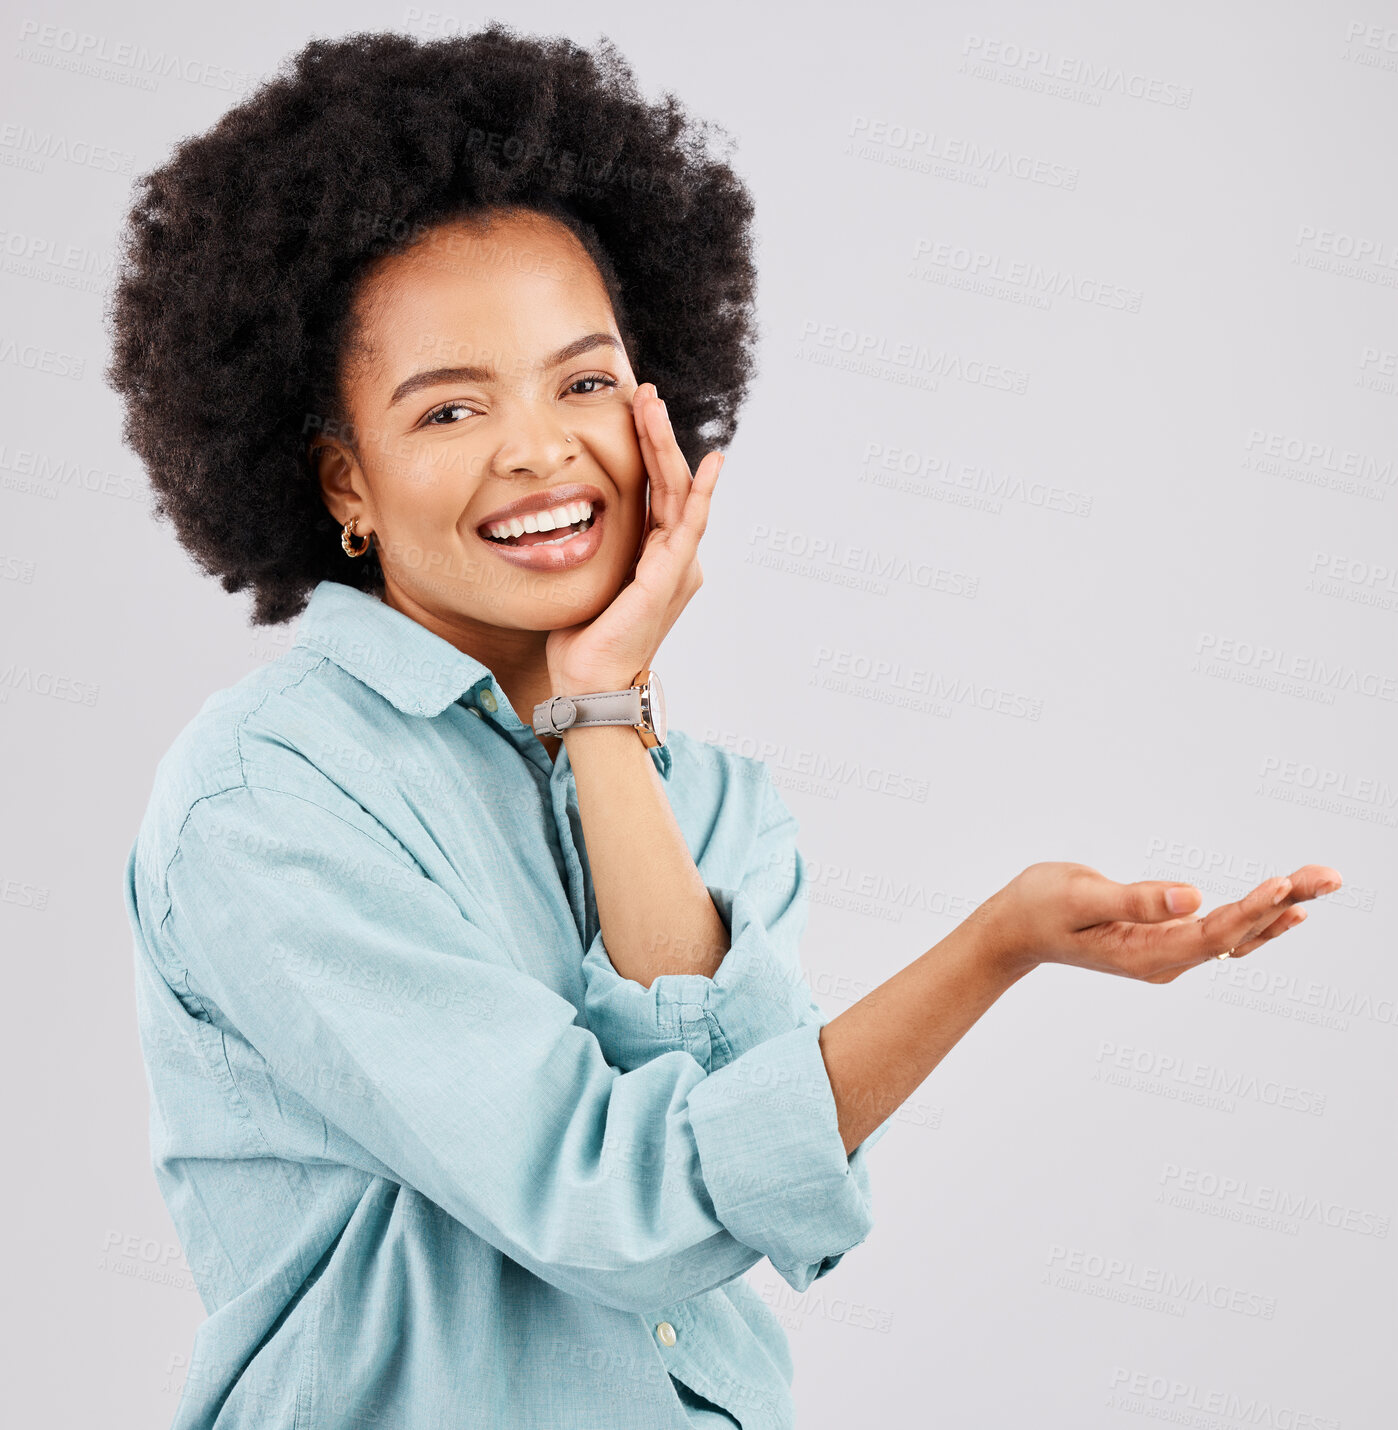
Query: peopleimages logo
{"points": [[1291, 670], [924, 149], [1184, 1402], [865, 675], [1153, 1071], [837, 771], [1030, 67], [1156, 1288], [828, 558], [1035, 279], [1355, 248], [1323, 456], [124, 61], [1235, 1197], [904, 361]]}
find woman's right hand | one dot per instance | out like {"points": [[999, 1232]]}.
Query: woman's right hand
{"points": [[1070, 913]]}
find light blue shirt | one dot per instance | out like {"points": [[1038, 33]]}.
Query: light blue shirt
{"points": [[432, 1160]]}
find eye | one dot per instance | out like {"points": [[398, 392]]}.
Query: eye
{"points": [[592, 377], [431, 419]]}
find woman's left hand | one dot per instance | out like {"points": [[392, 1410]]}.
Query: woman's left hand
{"points": [[606, 652]]}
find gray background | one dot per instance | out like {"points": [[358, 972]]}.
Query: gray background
{"points": [[1061, 525]]}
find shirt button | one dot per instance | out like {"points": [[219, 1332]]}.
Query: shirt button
{"points": [[475, 712], [666, 1332], [488, 700]]}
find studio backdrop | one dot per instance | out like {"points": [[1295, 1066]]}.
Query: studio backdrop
{"points": [[1060, 524]]}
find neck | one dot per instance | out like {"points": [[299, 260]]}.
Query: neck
{"points": [[516, 658]]}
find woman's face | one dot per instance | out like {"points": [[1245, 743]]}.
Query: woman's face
{"points": [[483, 350]]}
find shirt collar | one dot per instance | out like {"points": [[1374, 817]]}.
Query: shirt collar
{"points": [[413, 668]]}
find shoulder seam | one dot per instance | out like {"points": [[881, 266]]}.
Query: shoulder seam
{"points": [[248, 714], [224, 789], [396, 852]]}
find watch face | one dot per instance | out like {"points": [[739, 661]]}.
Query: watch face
{"points": [[657, 707], [652, 727]]}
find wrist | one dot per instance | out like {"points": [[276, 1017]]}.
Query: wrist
{"points": [[603, 751], [997, 947], [623, 737], [590, 682], [601, 697]]}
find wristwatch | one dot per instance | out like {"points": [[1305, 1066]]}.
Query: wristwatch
{"points": [[642, 706]]}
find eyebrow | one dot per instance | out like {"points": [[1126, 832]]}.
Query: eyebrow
{"points": [[431, 377]]}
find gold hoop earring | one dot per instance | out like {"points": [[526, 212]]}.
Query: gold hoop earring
{"points": [[347, 535]]}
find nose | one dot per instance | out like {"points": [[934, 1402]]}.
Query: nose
{"points": [[537, 442]]}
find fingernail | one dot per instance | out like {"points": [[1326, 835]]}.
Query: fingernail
{"points": [[1328, 887], [1177, 899], [1282, 892]]}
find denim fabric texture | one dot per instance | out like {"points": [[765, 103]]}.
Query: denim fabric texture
{"points": [[431, 1159]]}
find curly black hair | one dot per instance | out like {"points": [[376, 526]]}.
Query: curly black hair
{"points": [[231, 315]]}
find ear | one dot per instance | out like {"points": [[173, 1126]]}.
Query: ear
{"points": [[341, 481]]}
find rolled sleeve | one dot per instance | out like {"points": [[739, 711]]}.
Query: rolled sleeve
{"points": [[759, 991], [774, 1163], [309, 932], [753, 996]]}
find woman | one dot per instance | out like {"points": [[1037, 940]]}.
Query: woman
{"points": [[481, 1059]]}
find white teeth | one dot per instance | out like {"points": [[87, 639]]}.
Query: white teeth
{"points": [[542, 520]]}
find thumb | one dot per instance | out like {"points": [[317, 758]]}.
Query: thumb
{"points": [[646, 528], [1143, 902]]}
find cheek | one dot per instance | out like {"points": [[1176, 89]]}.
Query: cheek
{"points": [[631, 463], [415, 506], [429, 492], [619, 449], [619, 453]]}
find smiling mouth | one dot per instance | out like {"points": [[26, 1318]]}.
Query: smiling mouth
{"points": [[545, 538], [545, 525]]}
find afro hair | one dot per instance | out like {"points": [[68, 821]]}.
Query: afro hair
{"points": [[241, 257]]}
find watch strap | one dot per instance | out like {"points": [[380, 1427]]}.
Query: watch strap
{"points": [[608, 707]]}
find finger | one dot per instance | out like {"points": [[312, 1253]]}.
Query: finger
{"points": [[1312, 881], [1101, 900], [1230, 926], [646, 527], [645, 394], [655, 488], [695, 520], [1289, 919], [687, 497], [1147, 948], [670, 476]]}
